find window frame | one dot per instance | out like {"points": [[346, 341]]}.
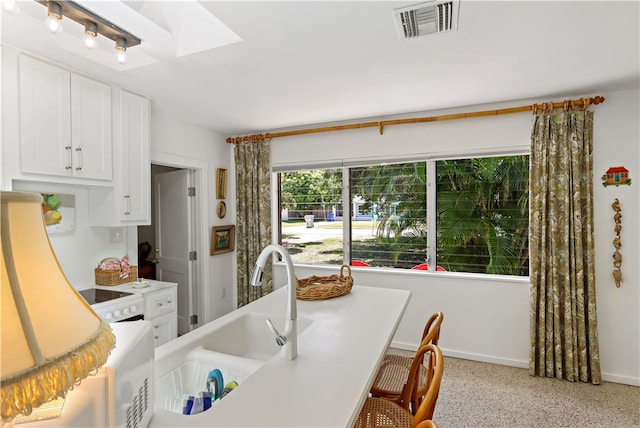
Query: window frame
{"points": [[431, 174]]}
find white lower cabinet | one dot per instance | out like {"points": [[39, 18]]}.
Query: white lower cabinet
{"points": [[164, 329], [161, 309]]}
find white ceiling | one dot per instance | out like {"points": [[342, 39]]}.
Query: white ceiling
{"points": [[242, 67]]}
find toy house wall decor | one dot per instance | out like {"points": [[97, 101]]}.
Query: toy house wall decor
{"points": [[615, 176]]}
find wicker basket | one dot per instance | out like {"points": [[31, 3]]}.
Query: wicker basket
{"points": [[324, 287], [112, 277]]}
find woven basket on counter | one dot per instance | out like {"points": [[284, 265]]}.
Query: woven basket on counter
{"points": [[112, 277], [324, 287]]}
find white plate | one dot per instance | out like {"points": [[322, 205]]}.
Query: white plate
{"points": [[140, 284]]}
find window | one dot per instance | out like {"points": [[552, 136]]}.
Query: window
{"points": [[308, 199], [477, 221], [483, 215], [390, 206]]}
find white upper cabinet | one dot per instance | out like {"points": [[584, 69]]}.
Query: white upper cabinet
{"points": [[65, 123], [136, 165], [129, 201], [91, 128]]}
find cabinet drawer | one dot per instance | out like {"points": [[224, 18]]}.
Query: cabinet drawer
{"points": [[160, 303]]}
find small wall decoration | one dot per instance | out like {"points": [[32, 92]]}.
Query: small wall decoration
{"points": [[222, 239], [221, 183], [222, 209], [59, 213], [617, 257], [615, 176]]}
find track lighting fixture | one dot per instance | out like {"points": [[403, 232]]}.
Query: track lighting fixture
{"points": [[92, 23]]}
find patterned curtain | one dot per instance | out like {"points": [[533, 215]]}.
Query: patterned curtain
{"points": [[564, 334], [253, 222]]}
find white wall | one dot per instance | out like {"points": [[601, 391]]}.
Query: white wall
{"points": [[616, 142], [487, 318], [180, 144], [80, 251]]}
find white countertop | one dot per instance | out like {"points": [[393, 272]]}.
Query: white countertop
{"points": [[129, 286], [338, 356]]}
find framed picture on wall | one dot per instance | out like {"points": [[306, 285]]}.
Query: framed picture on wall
{"points": [[221, 183], [222, 239]]}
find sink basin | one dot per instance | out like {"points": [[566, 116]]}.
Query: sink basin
{"points": [[190, 377], [248, 336]]}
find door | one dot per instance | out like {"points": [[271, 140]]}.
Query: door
{"points": [[174, 240]]}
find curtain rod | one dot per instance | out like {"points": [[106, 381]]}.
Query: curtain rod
{"points": [[550, 106]]}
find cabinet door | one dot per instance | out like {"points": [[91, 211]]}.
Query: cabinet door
{"points": [[45, 118], [136, 166], [91, 128], [129, 201], [164, 329]]}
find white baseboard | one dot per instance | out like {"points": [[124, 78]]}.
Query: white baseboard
{"points": [[627, 380], [524, 364], [404, 346], [467, 355], [486, 358]]}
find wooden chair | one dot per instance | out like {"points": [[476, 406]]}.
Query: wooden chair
{"points": [[394, 368], [378, 412], [427, 424]]}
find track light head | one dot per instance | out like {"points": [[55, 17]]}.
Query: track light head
{"points": [[90, 34], [54, 17], [121, 50]]}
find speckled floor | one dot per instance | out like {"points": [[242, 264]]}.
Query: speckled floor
{"points": [[475, 394]]}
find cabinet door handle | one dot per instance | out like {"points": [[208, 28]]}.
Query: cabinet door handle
{"points": [[127, 198], [70, 159], [79, 152]]}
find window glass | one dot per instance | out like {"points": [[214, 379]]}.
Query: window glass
{"points": [[311, 215], [389, 212], [483, 215]]}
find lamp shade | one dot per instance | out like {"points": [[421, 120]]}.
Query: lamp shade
{"points": [[50, 338]]}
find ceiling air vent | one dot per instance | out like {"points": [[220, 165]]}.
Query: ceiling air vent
{"points": [[426, 18]]}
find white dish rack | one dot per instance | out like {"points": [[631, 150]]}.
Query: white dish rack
{"points": [[190, 378]]}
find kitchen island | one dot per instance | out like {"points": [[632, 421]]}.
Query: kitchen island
{"points": [[341, 342]]}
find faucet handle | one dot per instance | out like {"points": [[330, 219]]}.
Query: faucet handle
{"points": [[280, 339]]}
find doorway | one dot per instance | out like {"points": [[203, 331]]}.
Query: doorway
{"points": [[167, 247]]}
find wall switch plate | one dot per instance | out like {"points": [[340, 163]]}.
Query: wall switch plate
{"points": [[115, 235]]}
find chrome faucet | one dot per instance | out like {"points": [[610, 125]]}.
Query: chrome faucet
{"points": [[289, 337]]}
